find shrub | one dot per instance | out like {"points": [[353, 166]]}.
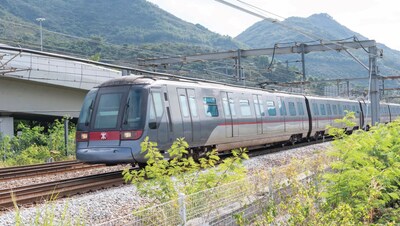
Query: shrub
{"points": [[162, 180]]}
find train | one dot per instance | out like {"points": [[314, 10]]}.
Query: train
{"points": [[118, 114]]}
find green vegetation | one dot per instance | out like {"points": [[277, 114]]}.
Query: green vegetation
{"points": [[34, 145], [163, 180], [357, 183]]}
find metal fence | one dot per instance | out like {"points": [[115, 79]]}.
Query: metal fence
{"points": [[246, 198]]}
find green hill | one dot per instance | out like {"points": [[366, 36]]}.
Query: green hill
{"points": [[117, 21], [121, 31]]}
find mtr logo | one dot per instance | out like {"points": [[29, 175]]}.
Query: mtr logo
{"points": [[103, 136]]}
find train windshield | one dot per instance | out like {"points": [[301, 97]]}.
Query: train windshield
{"points": [[133, 110], [113, 108], [108, 109], [87, 110]]}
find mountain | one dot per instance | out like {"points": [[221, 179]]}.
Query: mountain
{"points": [[122, 22], [265, 34]]}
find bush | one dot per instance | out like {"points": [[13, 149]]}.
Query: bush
{"points": [[162, 180], [366, 173], [34, 145]]}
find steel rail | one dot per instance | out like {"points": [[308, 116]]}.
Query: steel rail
{"points": [[40, 169], [37, 193]]}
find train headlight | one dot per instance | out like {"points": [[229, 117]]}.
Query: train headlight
{"points": [[82, 136], [131, 135]]}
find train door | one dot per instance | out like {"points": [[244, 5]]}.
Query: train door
{"points": [[158, 122], [231, 129], [258, 106], [190, 115], [315, 114], [194, 115], [282, 112]]}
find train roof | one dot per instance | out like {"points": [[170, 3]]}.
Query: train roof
{"points": [[160, 80], [157, 80]]}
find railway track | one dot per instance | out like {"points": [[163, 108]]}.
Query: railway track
{"points": [[284, 147], [37, 193], [12, 173], [33, 194]]}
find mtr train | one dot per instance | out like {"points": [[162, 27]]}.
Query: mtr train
{"points": [[117, 115]]}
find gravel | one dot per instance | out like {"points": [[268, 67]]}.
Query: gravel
{"points": [[102, 206]]}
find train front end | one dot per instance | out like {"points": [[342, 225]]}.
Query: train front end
{"points": [[111, 125]]}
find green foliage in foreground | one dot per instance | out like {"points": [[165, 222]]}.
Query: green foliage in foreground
{"points": [[162, 180], [34, 145], [366, 174], [356, 184]]}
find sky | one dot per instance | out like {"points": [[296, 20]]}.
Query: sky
{"points": [[375, 19]]}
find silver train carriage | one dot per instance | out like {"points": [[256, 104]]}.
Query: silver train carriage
{"points": [[117, 115]]}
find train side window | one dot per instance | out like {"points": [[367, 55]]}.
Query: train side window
{"points": [[300, 108], [315, 109], [282, 108], [353, 108], [340, 109], [334, 108], [184, 105], [271, 108], [245, 107], [210, 107], [328, 109], [292, 109], [322, 106], [193, 106]]}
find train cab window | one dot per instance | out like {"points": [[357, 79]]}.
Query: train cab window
{"points": [[108, 111], [87, 110], [271, 108], [334, 108], [210, 107], [184, 105], [328, 109], [315, 109], [322, 107], [282, 107], [300, 108], [245, 107], [133, 108], [292, 109]]}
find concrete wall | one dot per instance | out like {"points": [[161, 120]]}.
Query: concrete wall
{"points": [[19, 97]]}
